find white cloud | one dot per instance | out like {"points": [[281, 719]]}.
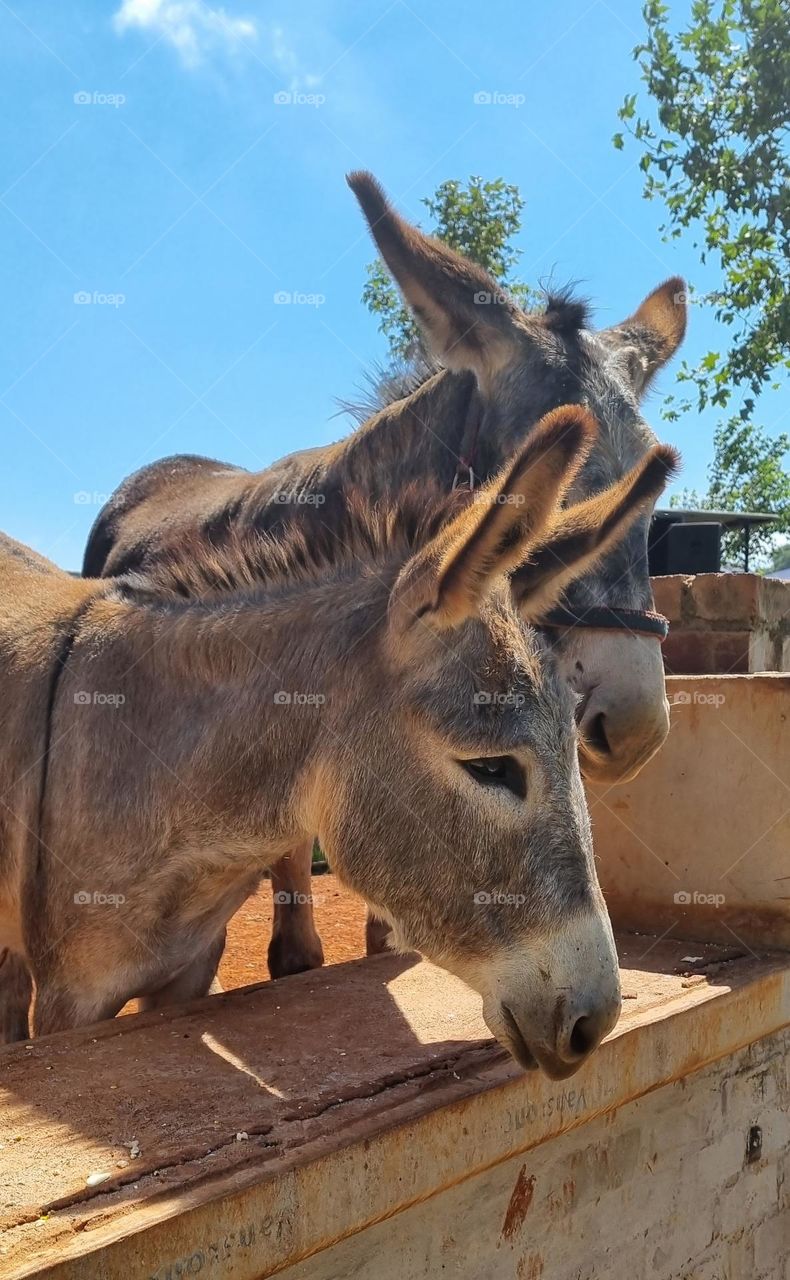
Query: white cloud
{"points": [[287, 62], [192, 27]]}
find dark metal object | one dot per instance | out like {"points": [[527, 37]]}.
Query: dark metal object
{"points": [[754, 1144], [676, 543], [684, 548], [644, 622]]}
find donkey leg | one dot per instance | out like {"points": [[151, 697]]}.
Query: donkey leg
{"points": [[198, 979], [62, 1007], [295, 944], [16, 993], [376, 934]]}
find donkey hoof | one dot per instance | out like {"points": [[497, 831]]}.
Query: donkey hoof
{"points": [[284, 958]]}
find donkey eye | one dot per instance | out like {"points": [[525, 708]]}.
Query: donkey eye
{"points": [[498, 771]]}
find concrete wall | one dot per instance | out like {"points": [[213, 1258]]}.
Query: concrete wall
{"points": [[373, 1113], [664, 1187], [698, 845], [725, 623]]}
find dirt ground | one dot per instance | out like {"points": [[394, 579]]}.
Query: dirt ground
{"points": [[340, 919]]}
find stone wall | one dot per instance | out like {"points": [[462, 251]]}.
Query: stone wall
{"points": [[725, 623], [690, 1182]]}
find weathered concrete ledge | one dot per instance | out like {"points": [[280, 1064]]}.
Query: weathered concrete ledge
{"points": [[249, 1132]]}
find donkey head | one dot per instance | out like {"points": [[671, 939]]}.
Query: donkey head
{"points": [[525, 365], [464, 777]]}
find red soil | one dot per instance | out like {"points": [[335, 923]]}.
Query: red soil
{"points": [[340, 920], [339, 917]]}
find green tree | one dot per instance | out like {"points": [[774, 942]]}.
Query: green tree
{"points": [[748, 473], [480, 220], [714, 150], [780, 559]]}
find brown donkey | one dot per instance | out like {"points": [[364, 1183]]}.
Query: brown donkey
{"points": [[151, 767], [504, 370]]}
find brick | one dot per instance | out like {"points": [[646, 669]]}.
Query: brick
{"points": [[772, 1244], [727, 1260], [743, 598], [723, 1158], [774, 603], [677, 1247], [668, 594], [751, 1200], [764, 652], [727, 597], [691, 653], [728, 606]]}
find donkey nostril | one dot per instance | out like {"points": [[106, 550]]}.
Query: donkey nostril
{"points": [[584, 1036], [595, 732]]}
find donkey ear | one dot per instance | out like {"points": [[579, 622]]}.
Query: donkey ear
{"points": [[652, 335], [468, 321], [583, 534], [445, 583]]}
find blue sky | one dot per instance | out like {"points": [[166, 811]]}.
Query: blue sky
{"points": [[148, 160]]}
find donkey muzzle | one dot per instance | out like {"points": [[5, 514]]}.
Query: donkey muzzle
{"points": [[623, 717], [552, 1004], [559, 1055]]}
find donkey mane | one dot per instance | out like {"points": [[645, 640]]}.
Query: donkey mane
{"points": [[564, 313], [384, 384], [349, 532]]}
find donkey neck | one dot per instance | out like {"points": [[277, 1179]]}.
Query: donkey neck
{"points": [[249, 697], [423, 434]]}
